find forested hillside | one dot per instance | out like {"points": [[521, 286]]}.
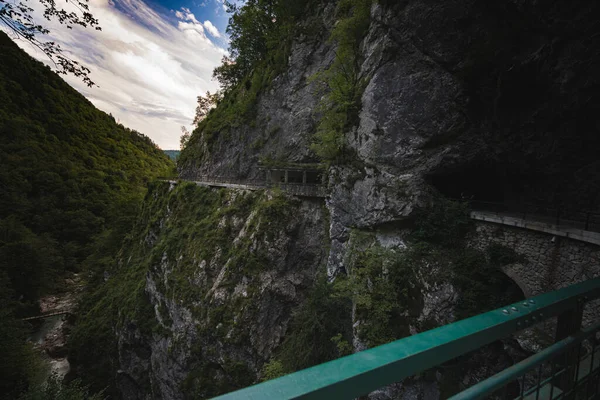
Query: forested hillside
{"points": [[71, 181]]}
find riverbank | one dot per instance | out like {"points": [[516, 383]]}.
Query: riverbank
{"points": [[49, 336]]}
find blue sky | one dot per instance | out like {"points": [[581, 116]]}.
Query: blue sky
{"points": [[212, 10], [151, 60]]}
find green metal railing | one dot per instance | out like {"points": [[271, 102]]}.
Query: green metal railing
{"points": [[568, 369]]}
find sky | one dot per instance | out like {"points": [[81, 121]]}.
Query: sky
{"points": [[150, 61]]}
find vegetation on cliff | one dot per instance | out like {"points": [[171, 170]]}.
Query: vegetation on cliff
{"points": [[385, 283], [342, 84], [72, 180], [260, 52], [261, 37], [190, 242]]}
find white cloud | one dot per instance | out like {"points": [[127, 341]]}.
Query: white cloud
{"points": [[212, 29], [186, 15], [220, 6], [148, 70]]}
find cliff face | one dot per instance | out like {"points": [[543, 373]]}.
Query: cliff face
{"points": [[497, 102], [494, 101], [225, 269]]}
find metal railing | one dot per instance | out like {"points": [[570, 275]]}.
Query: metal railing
{"points": [[567, 369], [581, 219], [296, 189]]}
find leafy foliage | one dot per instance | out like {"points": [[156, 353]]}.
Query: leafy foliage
{"points": [[55, 389], [68, 173], [18, 17], [72, 181], [443, 226], [317, 329], [384, 284], [187, 224], [205, 104], [255, 30], [381, 282], [261, 33], [185, 138], [273, 369], [341, 82]]}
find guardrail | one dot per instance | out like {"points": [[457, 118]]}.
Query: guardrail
{"points": [[573, 369], [296, 189], [52, 314], [582, 219]]}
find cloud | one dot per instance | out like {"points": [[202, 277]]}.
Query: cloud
{"points": [[221, 6], [149, 70], [184, 14], [212, 29]]}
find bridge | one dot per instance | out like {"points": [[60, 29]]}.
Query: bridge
{"points": [[567, 369], [47, 315], [579, 225]]}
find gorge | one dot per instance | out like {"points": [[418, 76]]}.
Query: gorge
{"points": [[406, 113]]}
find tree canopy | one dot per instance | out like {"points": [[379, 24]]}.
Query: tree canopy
{"points": [[205, 104], [18, 18], [254, 29]]}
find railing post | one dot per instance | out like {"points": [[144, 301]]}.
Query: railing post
{"points": [[587, 221], [567, 324]]}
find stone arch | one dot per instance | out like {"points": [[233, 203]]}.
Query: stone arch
{"points": [[511, 272]]}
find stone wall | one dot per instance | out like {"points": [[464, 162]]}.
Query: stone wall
{"points": [[552, 261]]}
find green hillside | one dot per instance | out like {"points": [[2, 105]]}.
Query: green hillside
{"points": [[71, 180]]}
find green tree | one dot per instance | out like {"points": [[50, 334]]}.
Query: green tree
{"points": [[255, 29], [205, 104], [184, 138]]}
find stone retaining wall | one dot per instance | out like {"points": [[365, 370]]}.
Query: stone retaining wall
{"points": [[552, 261]]}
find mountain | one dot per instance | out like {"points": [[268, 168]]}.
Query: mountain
{"points": [[173, 154], [72, 180]]}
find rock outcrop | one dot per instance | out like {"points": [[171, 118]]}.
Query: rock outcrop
{"points": [[226, 269]]}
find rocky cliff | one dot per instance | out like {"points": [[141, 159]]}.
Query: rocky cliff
{"points": [[496, 101], [460, 98], [224, 270]]}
